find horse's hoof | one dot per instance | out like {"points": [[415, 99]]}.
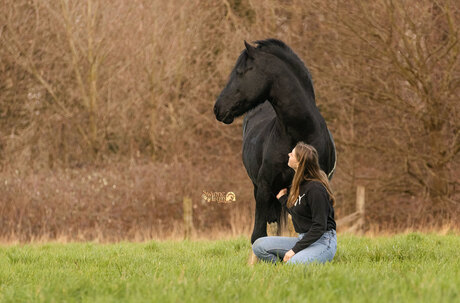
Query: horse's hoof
{"points": [[252, 259]]}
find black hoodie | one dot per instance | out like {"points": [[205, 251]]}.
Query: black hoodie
{"points": [[312, 213]]}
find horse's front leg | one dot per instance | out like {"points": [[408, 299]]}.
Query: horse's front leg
{"points": [[266, 211]]}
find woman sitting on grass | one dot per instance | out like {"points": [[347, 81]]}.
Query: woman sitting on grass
{"points": [[310, 202]]}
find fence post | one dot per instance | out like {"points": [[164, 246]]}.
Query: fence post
{"points": [[360, 206], [188, 217]]}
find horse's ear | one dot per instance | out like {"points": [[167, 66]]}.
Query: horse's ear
{"points": [[251, 50]]}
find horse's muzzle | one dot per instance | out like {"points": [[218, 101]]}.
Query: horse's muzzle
{"points": [[227, 118]]}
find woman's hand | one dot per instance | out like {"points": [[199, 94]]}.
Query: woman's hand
{"points": [[281, 193], [288, 255]]}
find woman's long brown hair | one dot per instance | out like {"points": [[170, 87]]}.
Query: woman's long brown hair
{"points": [[308, 169]]}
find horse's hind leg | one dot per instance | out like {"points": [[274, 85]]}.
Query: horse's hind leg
{"points": [[283, 225]]}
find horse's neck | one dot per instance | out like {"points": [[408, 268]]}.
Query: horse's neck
{"points": [[295, 109]]}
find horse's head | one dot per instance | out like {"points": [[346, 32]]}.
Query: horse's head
{"points": [[247, 86]]}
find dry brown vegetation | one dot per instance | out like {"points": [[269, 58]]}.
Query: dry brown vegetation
{"points": [[106, 116]]}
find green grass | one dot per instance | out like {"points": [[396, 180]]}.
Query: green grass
{"points": [[405, 268]]}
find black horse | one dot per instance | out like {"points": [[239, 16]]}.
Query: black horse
{"points": [[273, 86]]}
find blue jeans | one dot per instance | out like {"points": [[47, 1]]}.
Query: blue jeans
{"points": [[269, 249]]}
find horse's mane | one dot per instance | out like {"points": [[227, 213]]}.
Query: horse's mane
{"points": [[281, 50]]}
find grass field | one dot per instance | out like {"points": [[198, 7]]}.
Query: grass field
{"points": [[405, 268]]}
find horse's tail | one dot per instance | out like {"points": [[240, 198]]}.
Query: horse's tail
{"points": [[333, 156]]}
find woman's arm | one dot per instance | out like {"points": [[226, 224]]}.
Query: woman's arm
{"points": [[282, 196], [281, 193], [318, 201]]}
